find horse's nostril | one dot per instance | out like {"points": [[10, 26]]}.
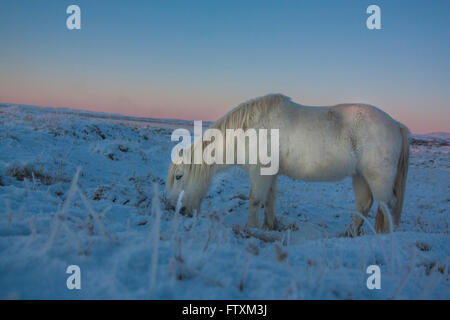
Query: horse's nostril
{"points": [[183, 210]]}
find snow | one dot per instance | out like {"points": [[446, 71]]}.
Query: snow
{"points": [[112, 220]]}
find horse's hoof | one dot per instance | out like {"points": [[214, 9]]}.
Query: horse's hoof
{"points": [[349, 233], [251, 225], [268, 227], [346, 234]]}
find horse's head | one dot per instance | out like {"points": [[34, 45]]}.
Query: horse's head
{"points": [[181, 178]]}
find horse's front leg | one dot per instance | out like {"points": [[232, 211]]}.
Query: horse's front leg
{"points": [[259, 189], [270, 221], [253, 211]]}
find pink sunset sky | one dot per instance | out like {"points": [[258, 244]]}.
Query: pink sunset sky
{"points": [[197, 60]]}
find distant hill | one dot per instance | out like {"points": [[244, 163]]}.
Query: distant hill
{"points": [[102, 115], [439, 139]]}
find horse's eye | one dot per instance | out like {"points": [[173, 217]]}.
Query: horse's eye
{"points": [[178, 176]]}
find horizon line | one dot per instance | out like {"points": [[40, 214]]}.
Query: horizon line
{"points": [[143, 118]]}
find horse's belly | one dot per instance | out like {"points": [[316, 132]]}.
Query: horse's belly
{"points": [[319, 166]]}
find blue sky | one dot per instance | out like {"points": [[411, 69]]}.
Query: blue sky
{"points": [[197, 59]]}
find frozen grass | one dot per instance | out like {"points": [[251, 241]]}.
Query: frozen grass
{"points": [[111, 217], [155, 232], [34, 172]]}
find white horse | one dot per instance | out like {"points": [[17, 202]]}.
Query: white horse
{"points": [[315, 144]]}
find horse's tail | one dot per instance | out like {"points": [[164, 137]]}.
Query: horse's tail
{"points": [[402, 172]]}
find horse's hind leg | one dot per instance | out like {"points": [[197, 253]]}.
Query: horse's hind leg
{"points": [[270, 221], [364, 201], [384, 217], [382, 188], [260, 186]]}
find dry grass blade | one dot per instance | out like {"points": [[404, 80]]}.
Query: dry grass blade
{"points": [[60, 216], [243, 274], [266, 236], [93, 212], [155, 231]]}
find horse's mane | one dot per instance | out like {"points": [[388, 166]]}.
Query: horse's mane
{"points": [[243, 116]]}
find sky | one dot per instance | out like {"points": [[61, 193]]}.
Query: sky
{"points": [[196, 60]]}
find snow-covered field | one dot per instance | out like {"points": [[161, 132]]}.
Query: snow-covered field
{"points": [[129, 243]]}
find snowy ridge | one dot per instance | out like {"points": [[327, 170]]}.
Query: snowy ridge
{"points": [[88, 189], [440, 139], [89, 114]]}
